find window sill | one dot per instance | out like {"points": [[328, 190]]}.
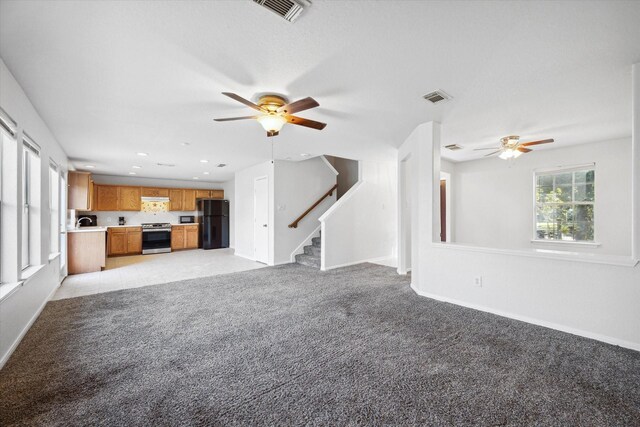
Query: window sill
{"points": [[567, 243], [7, 289], [53, 256], [29, 272], [558, 255]]}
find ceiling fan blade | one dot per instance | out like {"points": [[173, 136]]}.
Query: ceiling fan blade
{"points": [[244, 101], [524, 149], [491, 154], [305, 122], [542, 141], [228, 119], [299, 105], [479, 149]]}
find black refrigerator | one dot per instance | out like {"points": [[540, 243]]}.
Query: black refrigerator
{"points": [[213, 217]]}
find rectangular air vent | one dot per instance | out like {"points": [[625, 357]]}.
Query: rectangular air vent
{"points": [[288, 9], [221, 165], [437, 96], [453, 147]]}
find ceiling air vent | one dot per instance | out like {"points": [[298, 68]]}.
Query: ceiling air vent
{"points": [[221, 165], [437, 96], [453, 147], [288, 9]]}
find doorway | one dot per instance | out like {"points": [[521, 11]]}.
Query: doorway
{"points": [[445, 207], [261, 219], [405, 245]]}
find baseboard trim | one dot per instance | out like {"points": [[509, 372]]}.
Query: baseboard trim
{"points": [[347, 264], [551, 325], [7, 355]]}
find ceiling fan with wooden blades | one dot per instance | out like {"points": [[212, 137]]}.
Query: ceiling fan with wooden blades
{"points": [[274, 111], [511, 147]]}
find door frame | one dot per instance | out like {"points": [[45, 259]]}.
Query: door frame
{"points": [[406, 218], [446, 176], [255, 180]]}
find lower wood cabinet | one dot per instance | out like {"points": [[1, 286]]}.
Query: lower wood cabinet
{"points": [[184, 237], [124, 241]]}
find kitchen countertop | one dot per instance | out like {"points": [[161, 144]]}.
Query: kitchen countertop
{"points": [[123, 226], [87, 230]]}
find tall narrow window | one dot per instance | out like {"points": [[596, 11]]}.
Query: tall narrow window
{"points": [[565, 201], [8, 198], [54, 202], [63, 220], [30, 203]]}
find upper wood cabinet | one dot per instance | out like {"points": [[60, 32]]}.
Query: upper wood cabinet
{"points": [[80, 191], [155, 192], [106, 198], [175, 199], [189, 200], [203, 194], [217, 194], [129, 199]]}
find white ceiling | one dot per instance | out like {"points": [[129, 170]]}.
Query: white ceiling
{"points": [[113, 78]]}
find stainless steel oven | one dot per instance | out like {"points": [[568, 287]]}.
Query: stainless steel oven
{"points": [[156, 238]]}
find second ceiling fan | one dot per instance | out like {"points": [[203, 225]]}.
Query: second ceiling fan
{"points": [[511, 147], [275, 111]]}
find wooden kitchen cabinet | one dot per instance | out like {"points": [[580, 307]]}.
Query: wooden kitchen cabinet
{"points": [[155, 192], [124, 241], [80, 191], [191, 236], [86, 251], [184, 237], [217, 194], [188, 200], [177, 237], [106, 197], [203, 194], [129, 199], [175, 199]]}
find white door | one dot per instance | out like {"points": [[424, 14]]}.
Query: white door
{"points": [[261, 220]]}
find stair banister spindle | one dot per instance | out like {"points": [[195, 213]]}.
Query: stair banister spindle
{"points": [[294, 224]]}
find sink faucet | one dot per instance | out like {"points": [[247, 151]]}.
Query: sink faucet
{"points": [[80, 219]]}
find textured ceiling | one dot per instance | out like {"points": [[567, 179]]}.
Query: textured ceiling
{"points": [[113, 78]]}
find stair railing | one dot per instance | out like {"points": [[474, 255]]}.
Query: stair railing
{"points": [[294, 224]]}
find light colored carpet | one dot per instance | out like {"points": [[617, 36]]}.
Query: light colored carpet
{"points": [[291, 345]]}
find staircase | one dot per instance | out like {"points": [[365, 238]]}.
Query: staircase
{"points": [[311, 255]]}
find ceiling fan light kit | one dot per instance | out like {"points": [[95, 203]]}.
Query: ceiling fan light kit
{"points": [[276, 111], [511, 147]]}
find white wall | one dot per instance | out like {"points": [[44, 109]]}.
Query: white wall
{"points": [[243, 218], [494, 198], [361, 226], [347, 173], [297, 186], [585, 294], [21, 307]]}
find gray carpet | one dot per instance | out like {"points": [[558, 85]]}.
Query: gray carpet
{"points": [[291, 345]]}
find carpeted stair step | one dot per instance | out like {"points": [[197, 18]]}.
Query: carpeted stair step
{"points": [[316, 241], [308, 260], [312, 250]]}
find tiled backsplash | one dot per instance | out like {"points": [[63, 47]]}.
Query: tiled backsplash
{"points": [[137, 218]]}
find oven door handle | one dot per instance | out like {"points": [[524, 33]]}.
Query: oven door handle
{"points": [[156, 229]]}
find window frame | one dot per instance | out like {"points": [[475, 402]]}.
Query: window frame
{"points": [[54, 221], [29, 149], [557, 171]]}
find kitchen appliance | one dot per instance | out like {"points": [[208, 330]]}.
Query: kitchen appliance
{"points": [[156, 238], [121, 220], [187, 219], [92, 220], [213, 217]]}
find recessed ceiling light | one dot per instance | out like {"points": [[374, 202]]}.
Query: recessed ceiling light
{"points": [[132, 173], [89, 166], [305, 154], [195, 177], [142, 154], [136, 167], [205, 173], [204, 161]]}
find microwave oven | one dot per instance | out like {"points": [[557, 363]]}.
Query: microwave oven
{"points": [[187, 219]]}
